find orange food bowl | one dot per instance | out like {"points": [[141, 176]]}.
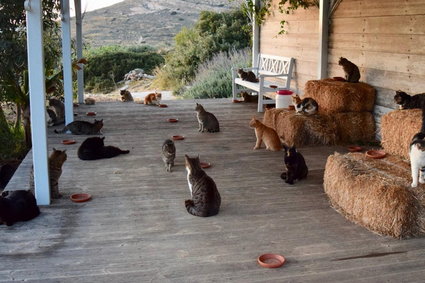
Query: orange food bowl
{"points": [[271, 260], [376, 154], [81, 197], [68, 141], [354, 148], [205, 165], [91, 113], [178, 138]]}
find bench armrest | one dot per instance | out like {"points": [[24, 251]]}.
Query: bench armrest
{"points": [[273, 76]]}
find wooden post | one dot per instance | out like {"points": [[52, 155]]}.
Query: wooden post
{"points": [[67, 61], [323, 39], [79, 45], [255, 37], [37, 90]]}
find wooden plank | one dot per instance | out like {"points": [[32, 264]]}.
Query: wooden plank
{"points": [[354, 8]]}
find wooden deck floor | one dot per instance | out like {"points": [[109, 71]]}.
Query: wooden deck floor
{"points": [[136, 228]]}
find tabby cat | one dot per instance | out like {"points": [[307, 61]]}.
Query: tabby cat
{"points": [[417, 155], [306, 105], [206, 199], [153, 98], [17, 206], [247, 76], [266, 134], [352, 73], [90, 101], [83, 128], [206, 120], [126, 96], [406, 101], [94, 148], [249, 98], [168, 154], [296, 168], [59, 109]]}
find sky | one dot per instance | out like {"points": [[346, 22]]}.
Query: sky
{"points": [[90, 5]]}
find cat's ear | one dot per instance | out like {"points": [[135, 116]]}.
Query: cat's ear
{"points": [[103, 138], [54, 149], [285, 146]]}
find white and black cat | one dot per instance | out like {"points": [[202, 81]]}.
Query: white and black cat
{"points": [[417, 155], [306, 105], [406, 101], [206, 199], [207, 121], [296, 168], [94, 148], [17, 206]]}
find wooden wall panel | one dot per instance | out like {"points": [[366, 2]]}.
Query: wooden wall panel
{"points": [[301, 42]]}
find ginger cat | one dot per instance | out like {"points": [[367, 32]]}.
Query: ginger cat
{"points": [[153, 98], [266, 134]]}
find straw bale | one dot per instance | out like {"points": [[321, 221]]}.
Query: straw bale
{"points": [[376, 194], [338, 128], [353, 127], [397, 129], [296, 129], [336, 96]]}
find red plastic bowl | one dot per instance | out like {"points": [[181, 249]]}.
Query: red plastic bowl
{"points": [[376, 154], [91, 113], [205, 165], [81, 197], [339, 79], [163, 105], [173, 120], [178, 138], [68, 141], [273, 86], [271, 260], [354, 148], [236, 101]]}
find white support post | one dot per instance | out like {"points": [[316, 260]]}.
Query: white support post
{"points": [[37, 90], [323, 39], [255, 37], [79, 45], [67, 61]]}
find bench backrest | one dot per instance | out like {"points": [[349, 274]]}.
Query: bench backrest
{"points": [[274, 65]]}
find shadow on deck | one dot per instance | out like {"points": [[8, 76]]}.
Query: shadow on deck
{"points": [[136, 228]]}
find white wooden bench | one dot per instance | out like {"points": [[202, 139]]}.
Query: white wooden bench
{"points": [[269, 67]]}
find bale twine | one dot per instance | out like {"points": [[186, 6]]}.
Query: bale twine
{"points": [[336, 96], [397, 129], [376, 194]]}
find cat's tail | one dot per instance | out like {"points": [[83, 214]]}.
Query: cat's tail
{"points": [[61, 131], [124, 151]]}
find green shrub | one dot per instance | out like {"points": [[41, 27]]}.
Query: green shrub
{"points": [[214, 77], [213, 33], [108, 65]]}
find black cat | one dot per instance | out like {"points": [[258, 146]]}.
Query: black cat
{"points": [[248, 76], [17, 206], [406, 101], [94, 148], [296, 168]]}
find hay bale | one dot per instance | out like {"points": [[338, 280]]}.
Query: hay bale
{"points": [[376, 194], [338, 128], [336, 96], [299, 130], [397, 129], [353, 127]]}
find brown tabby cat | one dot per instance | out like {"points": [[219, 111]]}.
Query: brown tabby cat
{"points": [[206, 199], [56, 159], [82, 128], [153, 98], [352, 73], [266, 134], [126, 96], [89, 101], [247, 76]]}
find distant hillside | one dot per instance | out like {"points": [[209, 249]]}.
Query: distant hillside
{"points": [[152, 22]]}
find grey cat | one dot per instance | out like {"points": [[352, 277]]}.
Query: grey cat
{"points": [[168, 154], [59, 109], [352, 73], [207, 121], [83, 128], [206, 199]]}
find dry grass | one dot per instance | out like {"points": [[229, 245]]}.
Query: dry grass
{"points": [[375, 194], [397, 129], [338, 128], [335, 96]]}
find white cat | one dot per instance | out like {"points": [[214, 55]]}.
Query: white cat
{"points": [[417, 159]]}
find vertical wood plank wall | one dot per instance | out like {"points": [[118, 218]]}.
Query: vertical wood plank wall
{"points": [[385, 38], [301, 41]]}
